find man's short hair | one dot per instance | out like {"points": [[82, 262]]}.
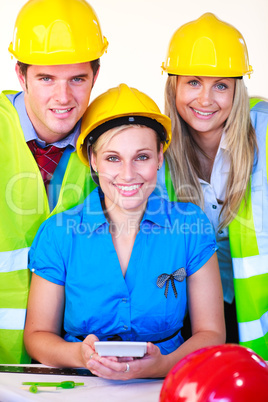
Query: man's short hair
{"points": [[95, 64]]}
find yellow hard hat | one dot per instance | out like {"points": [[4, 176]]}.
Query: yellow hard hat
{"points": [[207, 47], [119, 106], [52, 32]]}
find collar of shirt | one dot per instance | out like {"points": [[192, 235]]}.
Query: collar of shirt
{"points": [[93, 216], [216, 189], [156, 211], [220, 171], [17, 101]]}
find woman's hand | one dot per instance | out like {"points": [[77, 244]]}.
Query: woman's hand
{"points": [[88, 351], [125, 368]]}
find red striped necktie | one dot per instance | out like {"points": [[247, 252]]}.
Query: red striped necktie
{"points": [[46, 158]]}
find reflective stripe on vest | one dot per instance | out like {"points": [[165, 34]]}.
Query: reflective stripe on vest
{"points": [[248, 234], [12, 318], [251, 330], [250, 266], [14, 260]]}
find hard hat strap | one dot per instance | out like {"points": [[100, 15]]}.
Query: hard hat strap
{"points": [[126, 120]]}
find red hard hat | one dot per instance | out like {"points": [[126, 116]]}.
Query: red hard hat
{"points": [[226, 373]]}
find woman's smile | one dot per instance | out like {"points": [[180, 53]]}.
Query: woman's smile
{"points": [[127, 167], [205, 103], [128, 190]]}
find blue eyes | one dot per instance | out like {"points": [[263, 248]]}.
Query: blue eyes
{"points": [[76, 79], [219, 86], [116, 158], [193, 83], [112, 159], [142, 157], [45, 79]]}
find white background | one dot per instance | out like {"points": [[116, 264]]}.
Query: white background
{"points": [[139, 31]]}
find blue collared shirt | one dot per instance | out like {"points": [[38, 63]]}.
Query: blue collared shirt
{"points": [[99, 299], [29, 132]]}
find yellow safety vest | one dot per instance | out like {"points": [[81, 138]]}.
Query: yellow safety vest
{"points": [[248, 235], [24, 206]]}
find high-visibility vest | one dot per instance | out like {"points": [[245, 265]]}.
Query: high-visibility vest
{"points": [[24, 206], [248, 235]]}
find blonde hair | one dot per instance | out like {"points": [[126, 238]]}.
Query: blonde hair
{"points": [[183, 161], [108, 135]]}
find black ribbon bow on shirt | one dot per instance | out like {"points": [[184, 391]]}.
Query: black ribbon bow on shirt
{"points": [[163, 279]]}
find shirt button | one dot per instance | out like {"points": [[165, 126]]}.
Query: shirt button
{"points": [[214, 206], [125, 327], [124, 300]]}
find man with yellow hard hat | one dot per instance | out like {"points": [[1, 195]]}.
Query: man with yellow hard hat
{"points": [[57, 50]]}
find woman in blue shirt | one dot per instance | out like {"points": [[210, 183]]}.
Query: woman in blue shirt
{"points": [[124, 264]]}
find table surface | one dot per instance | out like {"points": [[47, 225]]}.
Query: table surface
{"points": [[94, 389]]}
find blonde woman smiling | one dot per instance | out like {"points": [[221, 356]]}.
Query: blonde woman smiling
{"points": [[217, 161]]}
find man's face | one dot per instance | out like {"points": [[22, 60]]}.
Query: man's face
{"points": [[56, 97]]}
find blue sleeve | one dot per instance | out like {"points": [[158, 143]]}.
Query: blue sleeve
{"points": [[199, 237], [46, 255]]}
